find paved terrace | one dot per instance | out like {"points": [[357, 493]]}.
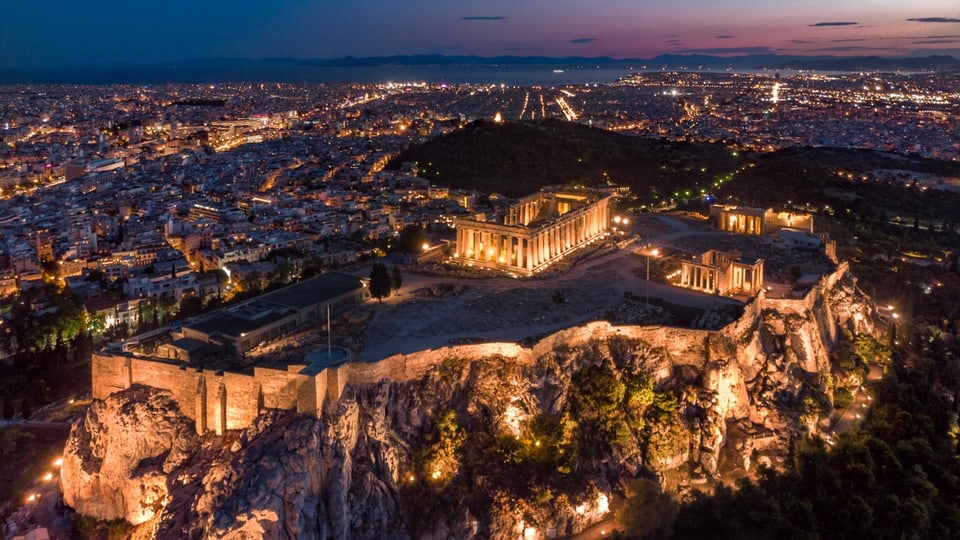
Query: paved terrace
{"points": [[505, 309]]}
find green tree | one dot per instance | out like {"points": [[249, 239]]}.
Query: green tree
{"points": [[411, 239], [12, 440], [379, 281], [647, 512], [396, 279]]}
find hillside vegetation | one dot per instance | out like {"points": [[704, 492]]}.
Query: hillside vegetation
{"points": [[866, 198], [518, 158]]}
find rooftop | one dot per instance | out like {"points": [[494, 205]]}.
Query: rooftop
{"points": [[316, 290], [235, 325]]}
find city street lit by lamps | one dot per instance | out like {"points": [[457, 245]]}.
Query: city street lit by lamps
{"points": [[654, 253]]}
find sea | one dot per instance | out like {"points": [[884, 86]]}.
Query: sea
{"points": [[510, 75]]}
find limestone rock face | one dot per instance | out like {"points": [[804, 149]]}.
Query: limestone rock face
{"points": [[733, 395], [117, 458]]}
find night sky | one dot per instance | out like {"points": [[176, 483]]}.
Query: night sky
{"points": [[43, 33]]}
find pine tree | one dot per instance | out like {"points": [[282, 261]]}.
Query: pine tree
{"points": [[379, 281], [396, 279]]}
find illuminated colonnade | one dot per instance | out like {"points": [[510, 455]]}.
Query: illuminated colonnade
{"points": [[722, 273], [537, 232]]}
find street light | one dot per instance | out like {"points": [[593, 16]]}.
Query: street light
{"points": [[653, 253]]}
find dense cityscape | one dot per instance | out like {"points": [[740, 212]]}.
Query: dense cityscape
{"points": [[400, 271], [132, 181]]}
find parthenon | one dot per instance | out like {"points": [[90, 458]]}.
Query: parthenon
{"points": [[537, 231]]}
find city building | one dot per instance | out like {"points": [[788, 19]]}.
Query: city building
{"points": [[238, 329]]}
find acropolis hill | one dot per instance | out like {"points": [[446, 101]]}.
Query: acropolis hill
{"points": [[225, 400], [296, 445], [222, 397]]}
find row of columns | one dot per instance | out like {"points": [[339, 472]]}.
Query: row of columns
{"points": [[528, 250], [524, 212], [741, 223], [698, 277], [737, 277]]}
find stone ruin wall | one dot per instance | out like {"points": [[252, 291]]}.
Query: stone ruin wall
{"points": [[226, 401]]}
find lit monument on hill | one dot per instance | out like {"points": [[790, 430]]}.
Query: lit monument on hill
{"points": [[537, 231]]}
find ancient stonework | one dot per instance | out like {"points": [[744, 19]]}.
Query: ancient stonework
{"points": [[344, 471]]}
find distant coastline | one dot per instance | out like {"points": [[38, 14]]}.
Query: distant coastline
{"points": [[511, 70]]}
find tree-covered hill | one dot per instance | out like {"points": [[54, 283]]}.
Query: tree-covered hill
{"points": [[518, 158]]}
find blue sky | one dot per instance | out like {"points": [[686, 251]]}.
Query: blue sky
{"points": [[36, 32]]}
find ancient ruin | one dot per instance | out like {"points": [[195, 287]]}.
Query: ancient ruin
{"points": [[536, 232]]}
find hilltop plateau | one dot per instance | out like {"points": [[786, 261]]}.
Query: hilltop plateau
{"points": [[484, 444]]}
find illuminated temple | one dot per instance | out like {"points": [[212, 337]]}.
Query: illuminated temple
{"points": [[537, 231]]}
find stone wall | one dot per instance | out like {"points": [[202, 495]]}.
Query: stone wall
{"points": [[221, 401]]}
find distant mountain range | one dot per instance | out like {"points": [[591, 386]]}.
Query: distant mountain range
{"points": [[691, 61], [339, 69]]}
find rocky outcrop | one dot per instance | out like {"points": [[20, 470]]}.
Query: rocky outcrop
{"points": [[118, 458], [490, 447]]}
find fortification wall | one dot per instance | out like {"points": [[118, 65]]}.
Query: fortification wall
{"points": [[180, 380], [110, 374], [280, 389], [226, 400], [748, 321], [241, 398]]}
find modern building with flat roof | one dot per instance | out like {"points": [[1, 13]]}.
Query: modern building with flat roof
{"points": [[238, 329]]}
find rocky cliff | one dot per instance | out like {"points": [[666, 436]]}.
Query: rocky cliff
{"points": [[476, 446]]}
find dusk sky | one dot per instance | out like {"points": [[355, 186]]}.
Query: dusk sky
{"points": [[37, 33]]}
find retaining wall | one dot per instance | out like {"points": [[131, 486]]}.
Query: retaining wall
{"points": [[221, 401]]}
